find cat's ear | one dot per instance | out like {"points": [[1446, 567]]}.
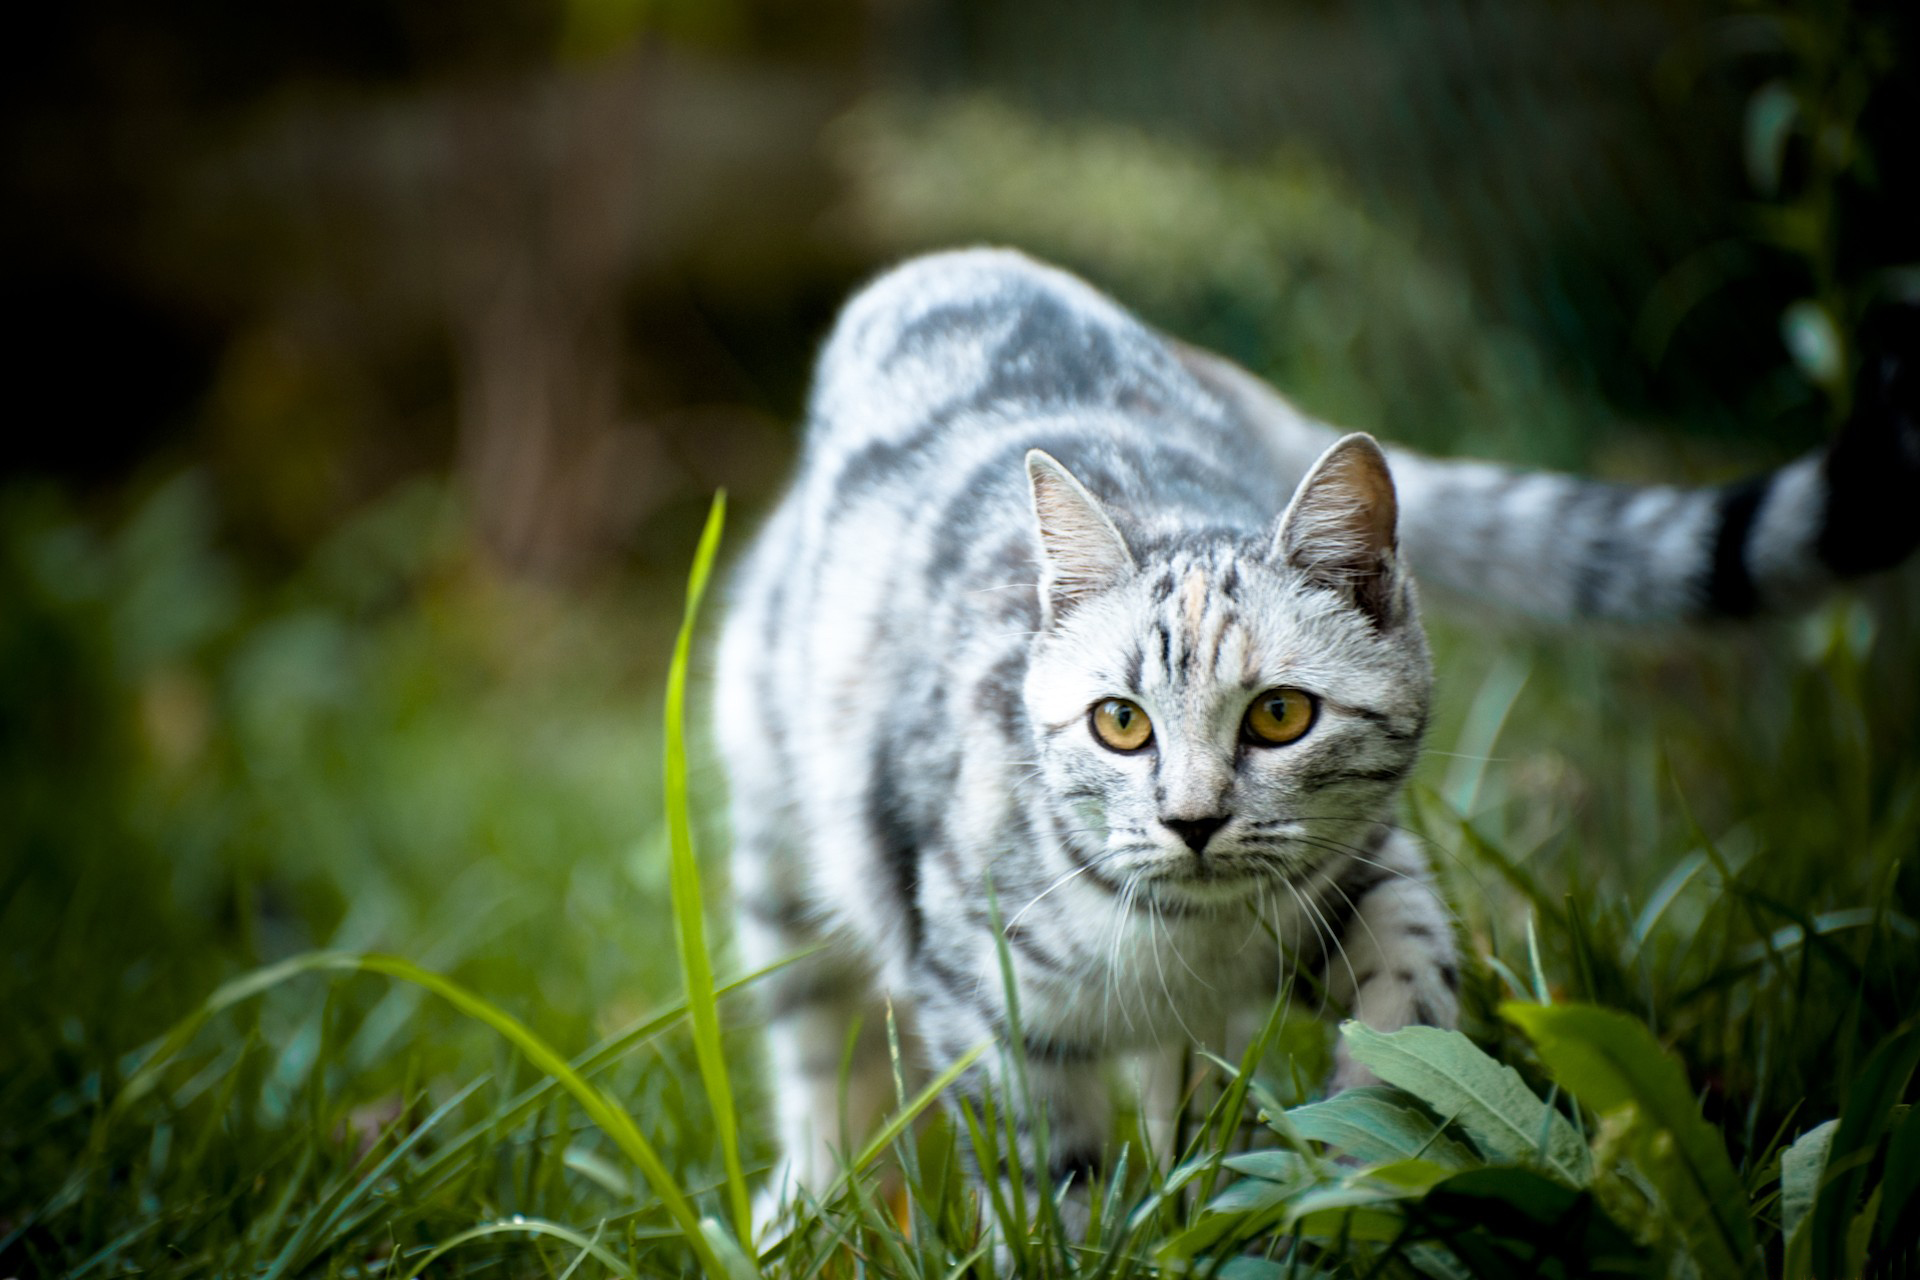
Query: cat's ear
{"points": [[1080, 550], [1339, 529]]}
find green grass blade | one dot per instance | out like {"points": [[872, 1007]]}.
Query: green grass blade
{"points": [[313, 1232], [1899, 1225], [524, 1226], [155, 1058], [893, 1128], [689, 919], [228, 994], [448, 1159], [1485, 719], [600, 1106]]}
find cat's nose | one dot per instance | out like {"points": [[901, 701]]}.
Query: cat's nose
{"points": [[1196, 831]]}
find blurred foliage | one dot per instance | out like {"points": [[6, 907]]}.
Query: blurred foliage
{"points": [[381, 750]]}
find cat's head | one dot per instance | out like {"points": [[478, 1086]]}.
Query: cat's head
{"points": [[1215, 713]]}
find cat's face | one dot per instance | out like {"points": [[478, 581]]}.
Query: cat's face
{"points": [[1213, 717]]}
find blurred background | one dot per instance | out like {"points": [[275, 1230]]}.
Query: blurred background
{"points": [[376, 362]]}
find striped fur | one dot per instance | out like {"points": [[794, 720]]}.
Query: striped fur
{"points": [[1015, 501]]}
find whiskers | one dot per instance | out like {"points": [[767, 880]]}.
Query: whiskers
{"points": [[1431, 845], [1105, 855]]}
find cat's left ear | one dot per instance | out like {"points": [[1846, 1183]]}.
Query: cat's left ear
{"points": [[1339, 530], [1080, 550]]}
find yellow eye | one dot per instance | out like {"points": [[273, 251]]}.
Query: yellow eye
{"points": [[1280, 716], [1121, 725]]}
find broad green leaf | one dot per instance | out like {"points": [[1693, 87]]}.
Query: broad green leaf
{"points": [[1860, 1235], [1249, 1195], [1359, 1207], [1356, 1222], [1436, 1263], [1486, 1100], [1375, 1125], [1800, 1168], [1415, 1176], [1272, 1176], [1274, 1166], [1175, 1252], [1866, 1112], [1610, 1061]]}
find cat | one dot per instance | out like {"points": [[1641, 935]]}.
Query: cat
{"points": [[1065, 626]]}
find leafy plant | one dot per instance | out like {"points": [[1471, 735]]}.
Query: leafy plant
{"points": [[1459, 1168]]}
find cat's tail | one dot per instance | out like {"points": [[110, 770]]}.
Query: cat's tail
{"points": [[1566, 548]]}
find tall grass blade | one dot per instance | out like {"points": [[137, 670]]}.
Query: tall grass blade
{"points": [[689, 918], [447, 1161], [1899, 1225], [313, 1232], [228, 994], [1485, 719], [897, 1125], [600, 1106]]}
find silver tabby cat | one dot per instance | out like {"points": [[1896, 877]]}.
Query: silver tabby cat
{"points": [[1058, 606]]}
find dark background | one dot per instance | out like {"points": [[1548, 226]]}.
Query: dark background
{"points": [[576, 255]]}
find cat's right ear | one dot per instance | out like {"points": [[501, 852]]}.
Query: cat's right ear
{"points": [[1340, 529], [1080, 550]]}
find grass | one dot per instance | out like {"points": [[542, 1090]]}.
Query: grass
{"points": [[335, 916]]}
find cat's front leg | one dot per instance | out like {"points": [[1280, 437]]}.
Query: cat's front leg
{"points": [[1060, 1119], [1394, 963], [1047, 1094]]}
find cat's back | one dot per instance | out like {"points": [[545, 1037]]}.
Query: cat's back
{"points": [[965, 338], [936, 380]]}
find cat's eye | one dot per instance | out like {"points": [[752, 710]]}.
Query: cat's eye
{"points": [[1121, 725], [1279, 716]]}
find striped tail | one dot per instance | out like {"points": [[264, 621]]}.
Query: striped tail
{"points": [[1566, 549]]}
